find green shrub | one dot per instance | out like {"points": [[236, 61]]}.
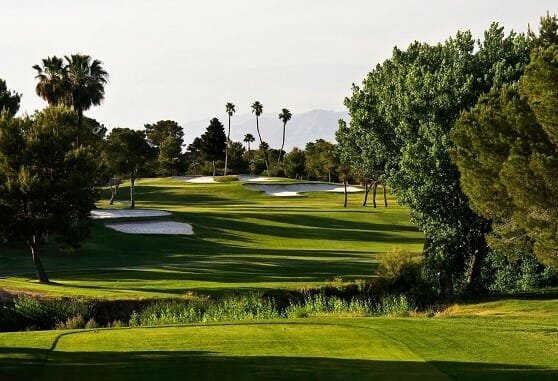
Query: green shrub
{"points": [[400, 272], [230, 308], [74, 322], [395, 305], [49, 313], [522, 273], [225, 179]]}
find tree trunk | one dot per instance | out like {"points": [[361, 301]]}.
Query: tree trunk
{"points": [[385, 196], [213, 163], [367, 187], [374, 190], [113, 191], [132, 198], [481, 251], [282, 145], [261, 142], [227, 148], [79, 123], [34, 246], [345, 185]]}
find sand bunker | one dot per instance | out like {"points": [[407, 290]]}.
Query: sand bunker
{"points": [[210, 179], [289, 190], [256, 178], [196, 179], [153, 227], [126, 213]]}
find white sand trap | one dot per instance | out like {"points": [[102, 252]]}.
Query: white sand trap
{"points": [[196, 179], [126, 213], [256, 178], [210, 179], [153, 227], [289, 190]]}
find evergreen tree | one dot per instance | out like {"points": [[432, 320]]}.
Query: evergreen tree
{"points": [[213, 142]]}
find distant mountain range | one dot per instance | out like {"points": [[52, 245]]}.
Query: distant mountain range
{"points": [[301, 129]]}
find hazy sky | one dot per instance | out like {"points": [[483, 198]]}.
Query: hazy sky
{"points": [[183, 60]]}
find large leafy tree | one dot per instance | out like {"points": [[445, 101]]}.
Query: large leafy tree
{"points": [[285, 116], [294, 164], [9, 100], [126, 153], [257, 109], [405, 110], [507, 152], [213, 142], [77, 81], [321, 161], [46, 183], [229, 108], [167, 138]]}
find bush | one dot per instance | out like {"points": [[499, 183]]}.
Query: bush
{"points": [[400, 272], [49, 313], [395, 305], [231, 308], [225, 179], [522, 273]]}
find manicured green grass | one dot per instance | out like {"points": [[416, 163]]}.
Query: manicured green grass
{"points": [[465, 348], [243, 239]]}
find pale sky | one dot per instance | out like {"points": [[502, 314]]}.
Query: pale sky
{"points": [[183, 60]]}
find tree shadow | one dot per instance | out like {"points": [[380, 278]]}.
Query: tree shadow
{"points": [[32, 364]]}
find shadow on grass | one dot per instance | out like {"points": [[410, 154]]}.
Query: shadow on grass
{"points": [[32, 364]]}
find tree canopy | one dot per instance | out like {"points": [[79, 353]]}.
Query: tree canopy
{"points": [[507, 152], [46, 183], [9, 100], [213, 142], [400, 124], [127, 153]]}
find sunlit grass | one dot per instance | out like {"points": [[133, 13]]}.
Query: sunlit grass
{"points": [[243, 239], [309, 349]]}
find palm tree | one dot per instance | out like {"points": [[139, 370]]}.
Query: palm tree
{"points": [[249, 138], [257, 108], [79, 82], [86, 80], [229, 108], [52, 85], [285, 116]]}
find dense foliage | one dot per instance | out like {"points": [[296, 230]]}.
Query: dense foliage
{"points": [[507, 152], [46, 183], [401, 119]]}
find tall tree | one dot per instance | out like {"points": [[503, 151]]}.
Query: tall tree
{"points": [[257, 109], [86, 83], [229, 108], [285, 116], [46, 183], [167, 138], [52, 83], [79, 82], [507, 152], [126, 153], [294, 163], [407, 107], [214, 142], [9, 100], [249, 138]]}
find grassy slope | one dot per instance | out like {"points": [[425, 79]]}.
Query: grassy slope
{"points": [[442, 348], [243, 239]]}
